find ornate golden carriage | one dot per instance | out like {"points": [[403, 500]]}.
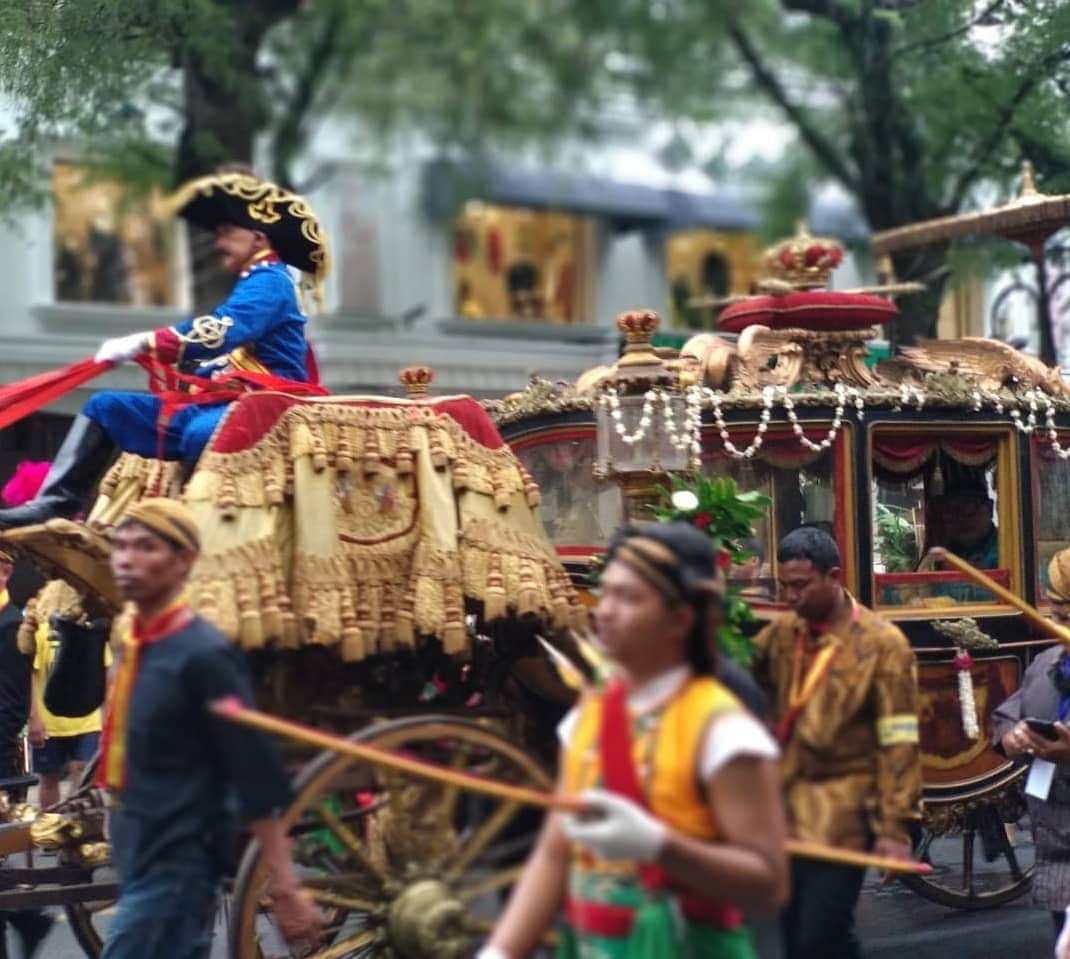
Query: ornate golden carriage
{"points": [[876, 453]]}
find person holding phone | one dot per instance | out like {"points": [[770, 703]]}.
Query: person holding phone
{"points": [[1031, 726]]}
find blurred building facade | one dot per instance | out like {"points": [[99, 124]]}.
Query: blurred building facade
{"points": [[488, 274]]}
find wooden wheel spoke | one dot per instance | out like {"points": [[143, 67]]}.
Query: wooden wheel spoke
{"points": [[336, 879], [350, 840], [967, 860], [923, 847], [338, 949], [327, 898], [493, 882], [483, 837], [451, 793]]}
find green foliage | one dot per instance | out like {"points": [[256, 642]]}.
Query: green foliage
{"points": [[920, 111], [193, 83], [897, 541], [715, 506]]}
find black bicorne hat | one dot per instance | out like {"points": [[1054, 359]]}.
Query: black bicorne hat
{"points": [[247, 201]]}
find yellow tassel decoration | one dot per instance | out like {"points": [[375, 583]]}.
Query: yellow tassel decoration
{"points": [[495, 605]]}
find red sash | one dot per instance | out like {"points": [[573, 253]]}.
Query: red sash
{"points": [[619, 775], [165, 382]]}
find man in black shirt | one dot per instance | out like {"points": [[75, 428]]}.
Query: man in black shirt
{"points": [[182, 778], [32, 925]]}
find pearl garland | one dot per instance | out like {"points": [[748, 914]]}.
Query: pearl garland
{"points": [[610, 401], [842, 392], [689, 435]]}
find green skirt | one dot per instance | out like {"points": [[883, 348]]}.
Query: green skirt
{"points": [[658, 932]]}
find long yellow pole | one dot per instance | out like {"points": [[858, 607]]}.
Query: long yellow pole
{"points": [[233, 710], [1035, 616]]}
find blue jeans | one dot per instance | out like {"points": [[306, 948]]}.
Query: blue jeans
{"points": [[167, 913]]}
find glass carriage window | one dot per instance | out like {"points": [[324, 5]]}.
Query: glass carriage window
{"points": [[519, 263], [1052, 518], [575, 508], [108, 246], [800, 485], [707, 263], [936, 490]]}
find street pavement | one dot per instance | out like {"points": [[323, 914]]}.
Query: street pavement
{"points": [[892, 922]]}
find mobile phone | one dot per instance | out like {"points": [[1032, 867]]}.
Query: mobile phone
{"points": [[1042, 727]]}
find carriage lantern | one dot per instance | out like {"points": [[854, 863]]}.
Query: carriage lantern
{"points": [[638, 409]]}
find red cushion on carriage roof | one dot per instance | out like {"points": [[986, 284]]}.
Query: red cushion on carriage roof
{"points": [[809, 310]]}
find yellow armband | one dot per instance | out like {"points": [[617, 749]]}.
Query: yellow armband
{"points": [[900, 728]]}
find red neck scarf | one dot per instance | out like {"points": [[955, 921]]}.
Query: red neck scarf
{"points": [[111, 772]]}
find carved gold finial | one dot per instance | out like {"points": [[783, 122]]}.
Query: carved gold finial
{"points": [[638, 328], [804, 261], [1029, 186], [416, 380]]}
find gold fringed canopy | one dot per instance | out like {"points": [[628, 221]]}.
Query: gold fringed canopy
{"points": [[360, 527]]}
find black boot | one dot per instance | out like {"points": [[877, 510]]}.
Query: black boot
{"points": [[81, 459]]}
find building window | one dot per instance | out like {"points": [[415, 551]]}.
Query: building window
{"points": [[108, 246], [521, 264], [707, 263]]}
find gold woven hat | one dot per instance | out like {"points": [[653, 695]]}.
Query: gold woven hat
{"points": [[74, 552], [1058, 590]]}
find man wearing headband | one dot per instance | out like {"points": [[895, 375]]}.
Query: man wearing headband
{"points": [[843, 684], [181, 778], [684, 816], [32, 925], [1044, 694], [258, 333]]}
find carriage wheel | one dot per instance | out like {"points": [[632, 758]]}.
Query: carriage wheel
{"points": [[403, 868], [87, 925], [986, 862], [87, 918]]}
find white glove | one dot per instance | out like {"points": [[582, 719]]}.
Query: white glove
{"points": [[1062, 944], [491, 952], [616, 828], [119, 349]]}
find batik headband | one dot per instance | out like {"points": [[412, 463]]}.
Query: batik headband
{"points": [[661, 567], [167, 517]]}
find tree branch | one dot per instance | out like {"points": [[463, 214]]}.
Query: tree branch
{"points": [[1003, 124], [929, 42], [834, 10], [288, 138], [823, 149]]}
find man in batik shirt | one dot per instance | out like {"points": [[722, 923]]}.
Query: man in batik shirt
{"points": [[843, 686]]}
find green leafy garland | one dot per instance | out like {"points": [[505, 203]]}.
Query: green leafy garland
{"points": [[727, 516]]}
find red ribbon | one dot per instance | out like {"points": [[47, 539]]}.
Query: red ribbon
{"points": [[18, 400], [165, 382]]}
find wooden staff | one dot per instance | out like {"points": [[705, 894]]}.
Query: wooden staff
{"points": [[1034, 615], [234, 710]]}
